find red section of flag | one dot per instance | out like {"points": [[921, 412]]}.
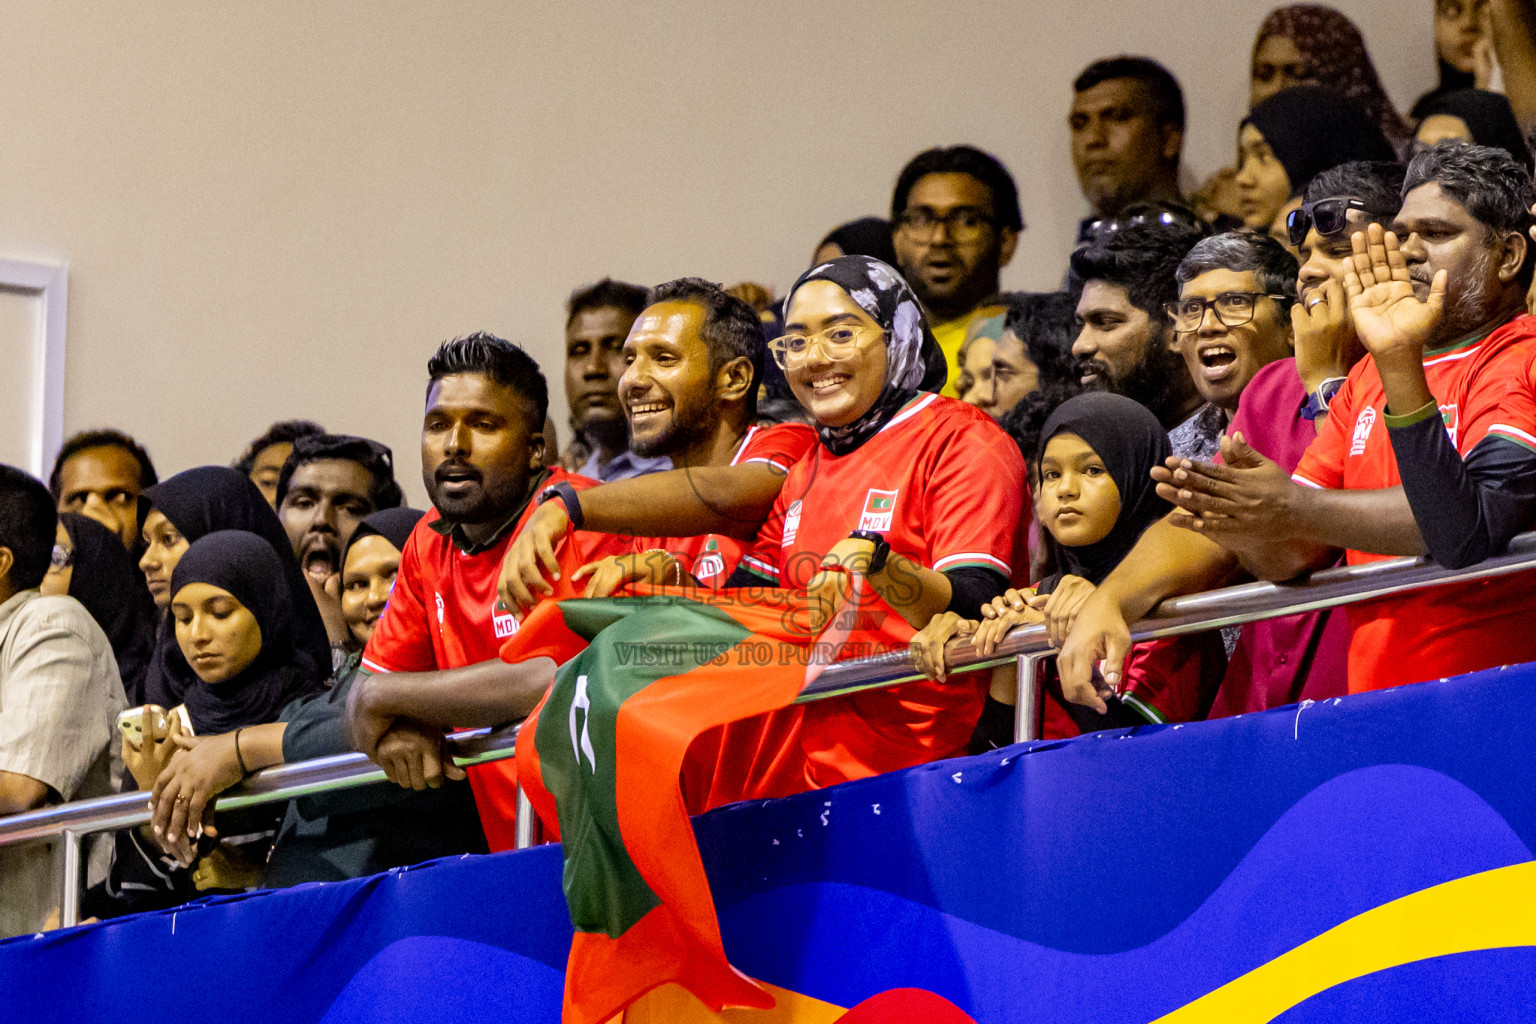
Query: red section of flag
{"points": [[906, 1006]]}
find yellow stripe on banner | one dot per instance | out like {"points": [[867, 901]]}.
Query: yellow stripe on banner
{"points": [[672, 1004], [1489, 910]]}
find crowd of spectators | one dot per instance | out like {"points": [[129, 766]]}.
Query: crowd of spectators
{"points": [[1323, 355]]}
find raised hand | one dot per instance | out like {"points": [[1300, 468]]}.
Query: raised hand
{"points": [[1389, 318]]}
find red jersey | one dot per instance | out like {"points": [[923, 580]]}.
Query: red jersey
{"points": [[442, 614], [946, 487], [1485, 393], [711, 558]]}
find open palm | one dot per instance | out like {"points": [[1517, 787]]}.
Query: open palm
{"points": [[1387, 315]]}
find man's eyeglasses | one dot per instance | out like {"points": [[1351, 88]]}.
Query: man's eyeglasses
{"points": [[1233, 309], [963, 224], [792, 350], [61, 559], [1330, 216]]}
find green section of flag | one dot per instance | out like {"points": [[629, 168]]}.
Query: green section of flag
{"points": [[635, 641], [880, 504]]}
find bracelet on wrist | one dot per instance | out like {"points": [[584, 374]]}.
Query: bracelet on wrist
{"points": [[239, 757]]}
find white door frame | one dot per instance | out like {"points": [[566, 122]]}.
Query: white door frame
{"points": [[49, 282]]}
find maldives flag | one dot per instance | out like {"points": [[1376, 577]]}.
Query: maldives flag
{"points": [[640, 678]]}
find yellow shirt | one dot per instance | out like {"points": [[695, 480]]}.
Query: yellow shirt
{"points": [[951, 338]]}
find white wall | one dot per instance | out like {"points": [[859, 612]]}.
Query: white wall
{"points": [[279, 208]]}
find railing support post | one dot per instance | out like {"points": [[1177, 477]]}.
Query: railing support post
{"points": [[1026, 707], [526, 820], [69, 909]]}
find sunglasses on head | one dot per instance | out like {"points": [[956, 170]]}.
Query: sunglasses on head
{"points": [[1329, 216]]}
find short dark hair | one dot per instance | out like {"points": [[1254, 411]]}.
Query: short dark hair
{"points": [[1163, 89], [1046, 322], [731, 328], [376, 458], [281, 432], [1242, 251], [984, 167], [106, 438], [606, 294], [28, 524], [1492, 185], [1376, 183], [498, 359], [1141, 258]]}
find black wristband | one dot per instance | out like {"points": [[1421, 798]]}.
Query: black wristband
{"points": [[567, 494], [879, 555], [238, 757]]}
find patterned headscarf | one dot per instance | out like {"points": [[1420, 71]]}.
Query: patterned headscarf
{"points": [[914, 361], [1336, 58]]}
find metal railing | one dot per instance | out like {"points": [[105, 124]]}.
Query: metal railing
{"points": [[1026, 647]]}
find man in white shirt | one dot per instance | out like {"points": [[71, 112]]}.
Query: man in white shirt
{"points": [[60, 695]]}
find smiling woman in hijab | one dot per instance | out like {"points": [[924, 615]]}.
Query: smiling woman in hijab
{"points": [[924, 493], [185, 508], [1310, 44], [100, 575], [1289, 138]]}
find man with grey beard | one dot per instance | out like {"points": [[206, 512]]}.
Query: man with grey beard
{"points": [[1428, 448]]}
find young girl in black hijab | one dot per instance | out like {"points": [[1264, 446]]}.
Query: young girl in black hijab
{"points": [[1095, 498], [99, 573]]}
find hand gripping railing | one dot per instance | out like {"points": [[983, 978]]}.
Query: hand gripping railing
{"points": [[1026, 647]]}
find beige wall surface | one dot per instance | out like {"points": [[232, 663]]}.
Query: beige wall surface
{"points": [[278, 208]]}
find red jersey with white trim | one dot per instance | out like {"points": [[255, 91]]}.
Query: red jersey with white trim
{"points": [[711, 558], [946, 486], [1485, 392], [442, 614]]}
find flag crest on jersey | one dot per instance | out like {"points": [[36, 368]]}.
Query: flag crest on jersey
{"points": [[640, 678]]}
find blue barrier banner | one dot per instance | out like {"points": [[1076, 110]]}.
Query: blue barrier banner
{"points": [[1367, 859]]}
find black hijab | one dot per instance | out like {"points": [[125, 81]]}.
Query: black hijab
{"points": [[250, 569], [1489, 118], [867, 236], [914, 361], [213, 498], [1311, 129], [1130, 441], [108, 584], [393, 524]]}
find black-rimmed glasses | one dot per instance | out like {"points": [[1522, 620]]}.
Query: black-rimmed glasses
{"points": [[963, 224], [1233, 309]]}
